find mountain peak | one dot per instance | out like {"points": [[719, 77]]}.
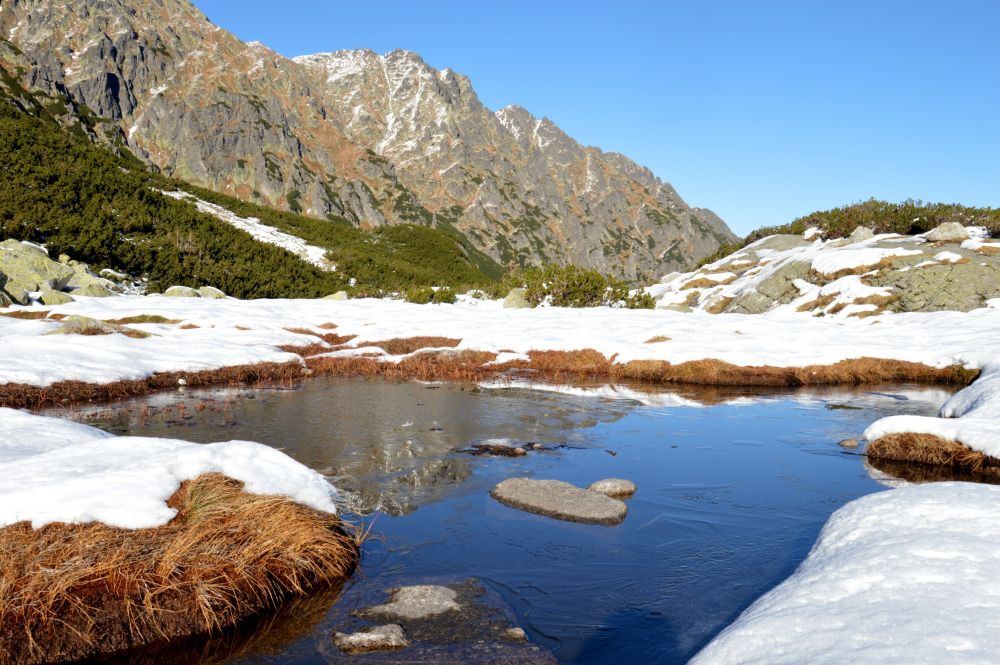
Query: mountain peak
{"points": [[376, 139]]}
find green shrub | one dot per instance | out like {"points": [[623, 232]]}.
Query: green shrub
{"points": [[419, 295], [422, 295], [572, 286]]}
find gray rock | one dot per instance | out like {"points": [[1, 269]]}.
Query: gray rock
{"points": [[379, 638], [860, 234], [211, 293], [28, 267], [948, 232], [777, 288], [958, 286], [418, 602], [77, 325], [94, 291], [516, 634], [848, 443], [50, 297], [181, 292], [5, 300], [782, 242], [516, 300], [554, 498], [83, 277], [339, 295], [617, 488]]}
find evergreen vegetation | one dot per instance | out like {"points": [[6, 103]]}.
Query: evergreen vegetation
{"points": [[909, 217], [60, 189], [573, 286]]}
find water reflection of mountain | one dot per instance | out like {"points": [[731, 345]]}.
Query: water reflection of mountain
{"points": [[394, 446]]}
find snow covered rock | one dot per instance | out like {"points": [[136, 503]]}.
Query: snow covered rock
{"points": [[948, 232]]}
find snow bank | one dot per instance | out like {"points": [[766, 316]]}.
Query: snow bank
{"points": [[902, 576], [260, 231], [57, 471]]}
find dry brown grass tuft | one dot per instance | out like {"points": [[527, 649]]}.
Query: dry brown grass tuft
{"points": [[858, 371], [706, 283], [819, 303], [142, 318], [74, 591], [16, 395], [327, 326], [885, 262], [988, 250], [430, 365], [656, 339], [29, 314], [189, 326], [719, 306], [932, 450], [307, 350], [881, 303], [403, 345]]}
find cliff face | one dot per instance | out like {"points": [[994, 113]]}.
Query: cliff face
{"points": [[378, 139]]}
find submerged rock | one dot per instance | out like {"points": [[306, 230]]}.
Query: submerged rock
{"points": [[444, 621], [948, 232], [379, 638], [614, 487], [516, 299], [554, 498], [848, 443], [181, 292], [418, 602]]}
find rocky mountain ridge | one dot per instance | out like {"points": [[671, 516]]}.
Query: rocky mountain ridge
{"points": [[376, 139]]}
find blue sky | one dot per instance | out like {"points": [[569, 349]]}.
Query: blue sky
{"points": [[762, 111]]}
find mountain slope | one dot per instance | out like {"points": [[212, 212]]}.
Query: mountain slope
{"points": [[375, 139], [60, 189]]}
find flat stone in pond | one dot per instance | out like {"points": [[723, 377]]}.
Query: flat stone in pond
{"points": [[379, 638], [418, 602], [848, 443], [617, 488], [554, 498]]}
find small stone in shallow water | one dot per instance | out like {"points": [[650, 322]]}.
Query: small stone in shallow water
{"points": [[516, 634], [379, 638], [418, 602], [554, 498], [848, 443], [614, 487]]}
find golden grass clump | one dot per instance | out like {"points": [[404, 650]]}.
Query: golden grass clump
{"points": [[142, 318], [656, 339], [429, 365], [932, 450], [706, 283], [20, 396], [403, 345], [75, 591]]}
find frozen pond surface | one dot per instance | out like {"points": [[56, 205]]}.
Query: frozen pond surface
{"points": [[731, 497]]}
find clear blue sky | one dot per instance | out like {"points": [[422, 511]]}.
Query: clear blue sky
{"points": [[762, 111]]}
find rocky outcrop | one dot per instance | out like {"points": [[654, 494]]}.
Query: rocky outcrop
{"points": [[26, 269], [376, 139], [862, 275]]}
